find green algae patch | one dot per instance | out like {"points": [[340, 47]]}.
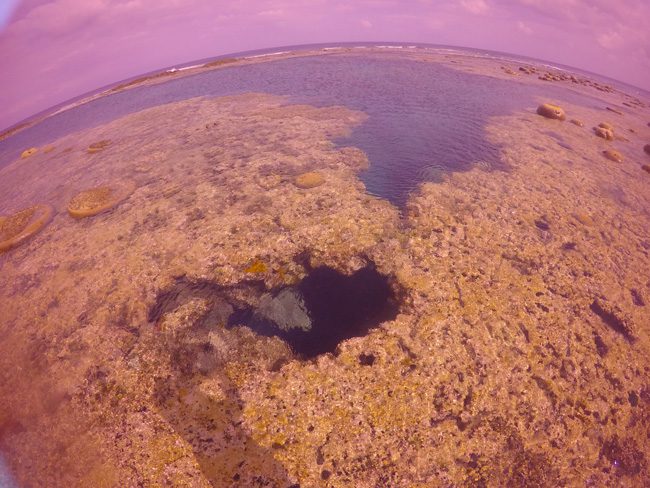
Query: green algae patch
{"points": [[28, 152], [98, 146], [308, 180], [99, 199], [20, 226]]}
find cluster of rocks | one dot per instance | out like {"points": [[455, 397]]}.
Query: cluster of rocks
{"points": [[561, 76], [604, 130]]}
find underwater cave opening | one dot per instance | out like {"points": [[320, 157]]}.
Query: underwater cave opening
{"points": [[325, 308]]}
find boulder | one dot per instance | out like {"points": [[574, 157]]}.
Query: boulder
{"points": [[551, 111], [606, 134]]}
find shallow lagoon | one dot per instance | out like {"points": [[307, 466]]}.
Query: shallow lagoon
{"points": [[518, 353]]}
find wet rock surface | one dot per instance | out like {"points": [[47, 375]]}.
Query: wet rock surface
{"points": [[512, 350]]}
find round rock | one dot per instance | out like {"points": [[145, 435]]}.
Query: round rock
{"points": [[99, 199], [20, 226], [311, 179], [613, 155]]}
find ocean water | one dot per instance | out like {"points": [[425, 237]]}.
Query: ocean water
{"points": [[425, 119]]}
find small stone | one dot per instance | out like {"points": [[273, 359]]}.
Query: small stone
{"points": [[48, 149], [613, 155], [551, 111], [577, 122], [28, 152], [98, 146], [311, 179], [606, 134], [605, 125], [646, 148]]}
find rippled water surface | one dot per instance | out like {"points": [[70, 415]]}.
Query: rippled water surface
{"points": [[424, 118]]}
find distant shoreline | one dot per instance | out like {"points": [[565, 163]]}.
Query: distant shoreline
{"points": [[419, 52]]}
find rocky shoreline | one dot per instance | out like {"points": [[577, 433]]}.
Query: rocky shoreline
{"points": [[518, 354]]}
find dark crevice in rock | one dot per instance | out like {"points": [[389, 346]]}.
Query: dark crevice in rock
{"points": [[637, 298], [325, 308], [612, 319]]}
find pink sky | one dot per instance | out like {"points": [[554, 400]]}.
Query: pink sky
{"points": [[53, 50]]}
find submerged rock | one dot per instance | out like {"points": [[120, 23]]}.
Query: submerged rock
{"points": [[606, 125], [613, 155], [99, 199], [287, 310], [577, 122], [646, 148], [309, 180], [646, 168], [551, 111], [28, 152], [20, 226]]}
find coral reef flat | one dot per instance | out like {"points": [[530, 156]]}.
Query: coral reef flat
{"points": [[503, 331]]}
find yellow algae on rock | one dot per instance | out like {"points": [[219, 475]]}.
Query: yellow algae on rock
{"points": [[99, 199], [98, 146], [584, 219], [613, 155], [551, 111], [256, 267], [20, 226], [308, 180], [28, 152]]}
